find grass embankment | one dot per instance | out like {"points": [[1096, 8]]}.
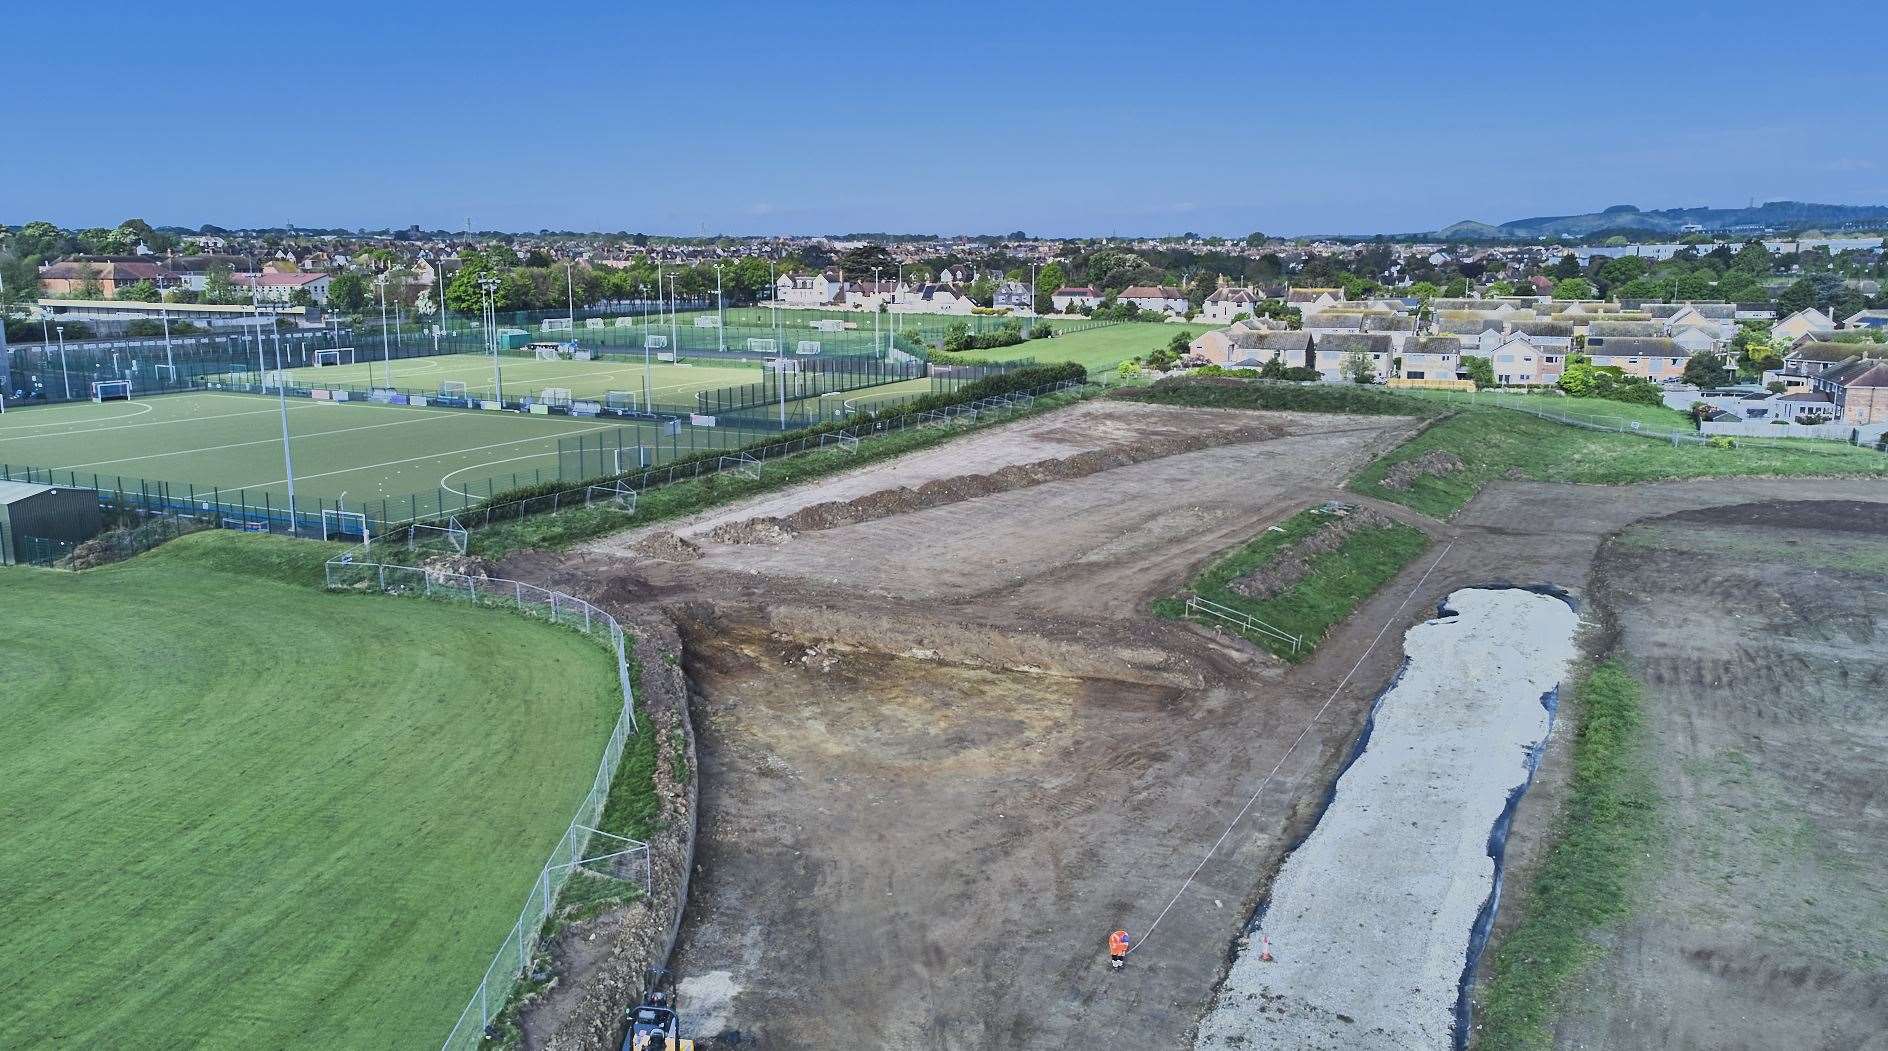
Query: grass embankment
{"points": [[1335, 584], [1227, 392], [245, 812], [1497, 443], [1587, 879], [675, 500]]}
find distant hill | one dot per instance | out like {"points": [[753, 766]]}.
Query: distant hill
{"points": [[1626, 219]]}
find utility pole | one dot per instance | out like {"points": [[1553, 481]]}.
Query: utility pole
{"points": [[67, 376], [386, 349], [488, 285]]}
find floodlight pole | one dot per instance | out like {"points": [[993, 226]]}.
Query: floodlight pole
{"points": [[386, 349], [163, 313], [63, 374], [721, 314], [489, 286], [570, 286], [675, 345], [288, 460], [439, 308], [6, 361], [255, 307], [878, 293]]}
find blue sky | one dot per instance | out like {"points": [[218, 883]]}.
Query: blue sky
{"points": [[1096, 118]]}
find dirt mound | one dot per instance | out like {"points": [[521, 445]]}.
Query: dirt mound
{"points": [[752, 531], [668, 547], [939, 492], [1429, 464], [1293, 564]]}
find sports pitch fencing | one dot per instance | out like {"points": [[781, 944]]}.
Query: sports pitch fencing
{"points": [[392, 463]]}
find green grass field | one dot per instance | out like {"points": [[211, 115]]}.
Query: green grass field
{"points": [[1495, 443], [242, 812], [1098, 349]]}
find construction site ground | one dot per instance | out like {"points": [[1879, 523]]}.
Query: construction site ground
{"points": [[945, 751]]}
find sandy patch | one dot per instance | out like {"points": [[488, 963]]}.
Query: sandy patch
{"points": [[1370, 920]]}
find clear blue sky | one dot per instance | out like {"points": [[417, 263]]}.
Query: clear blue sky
{"points": [[1094, 118]]}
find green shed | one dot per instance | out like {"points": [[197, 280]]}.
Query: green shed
{"points": [[39, 523]]}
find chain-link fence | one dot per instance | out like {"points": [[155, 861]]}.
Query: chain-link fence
{"points": [[347, 572]]}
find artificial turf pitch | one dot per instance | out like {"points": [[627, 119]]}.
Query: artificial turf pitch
{"points": [[242, 812], [419, 460]]}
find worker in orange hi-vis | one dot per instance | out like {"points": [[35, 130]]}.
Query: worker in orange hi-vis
{"points": [[1117, 949]]}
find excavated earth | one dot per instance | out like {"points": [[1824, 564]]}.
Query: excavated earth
{"points": [[945, 751]]}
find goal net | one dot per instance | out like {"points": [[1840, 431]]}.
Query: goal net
{"points": [[345, 525], [807, 346], [555, 324], [845, 441], [762, 346], [557, 396], [654, 342], [111, 390], [325, 358], [707, 322], [547, 351], [784, 365], [452, 390], [630, 459], [615, 494]]}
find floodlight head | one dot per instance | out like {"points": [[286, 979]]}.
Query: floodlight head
{"points": [[489, 283]]}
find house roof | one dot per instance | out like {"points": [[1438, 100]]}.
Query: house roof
{"points": [[1637, 348], [1862, 372], [1282, 342], [1434, 345], [1078, 290], [1646, 329], [1232, 295], [1308, 295], [271, 279], [75, 270], [1348, 342], [1151, 292]]}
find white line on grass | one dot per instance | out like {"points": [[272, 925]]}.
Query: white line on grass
{"points": [[240, 445], [153, 423], [417, 459], [141, 410]]}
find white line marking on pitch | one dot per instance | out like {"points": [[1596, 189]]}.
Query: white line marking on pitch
{"points": [[415, 459], [239, 445], [141, 410]]}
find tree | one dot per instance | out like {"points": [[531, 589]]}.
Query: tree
{"points": [[1048, 279], [1205, 283], [1695, 285], [1568, 266], [1481, 370], [39, 239], [1753, 259], [1639, 288], [348, 292], [1255, 240], [1579, 377], [860, 261], [1357, 367], [137, 292], [1573, 288], [1423, 290], [217, 286], [1501, 288], [1707, 370], [1801, 295], [982, 291], [90, 287]]}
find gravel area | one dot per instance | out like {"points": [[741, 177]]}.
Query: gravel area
{"points": [[1370, 919]]}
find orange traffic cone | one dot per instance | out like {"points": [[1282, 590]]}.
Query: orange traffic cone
{"points": [[1265, 949]]}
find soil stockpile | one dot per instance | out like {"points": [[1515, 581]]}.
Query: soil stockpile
{"points": [[1293, 564], [1430, 464]]}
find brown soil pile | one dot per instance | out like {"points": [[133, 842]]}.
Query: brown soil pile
{"points": [[1293, 565], [668, 547], [938, 492], [1434, 463]]}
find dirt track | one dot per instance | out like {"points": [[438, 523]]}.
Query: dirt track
{"points": [[920, 834]]}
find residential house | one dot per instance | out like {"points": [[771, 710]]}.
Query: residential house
{"points": [[1165, 298], [1312, 301], [273, 287], [1401, 328], [932, 298], [1432, 358], [193, 271], [810, 290], [1518, 362], [67, 280], [870, 295], [1858, 389], [1805, 322], [1876, 319], [1074, 298], [1256, 348], [1229, 302], [1660, 360], [1014, 295], [1332, 351]]}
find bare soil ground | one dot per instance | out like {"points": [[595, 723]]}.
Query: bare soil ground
{"points": [[1761, 633], [920, 833]]}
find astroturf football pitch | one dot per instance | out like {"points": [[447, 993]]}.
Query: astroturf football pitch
{"points": [[227, 447]]}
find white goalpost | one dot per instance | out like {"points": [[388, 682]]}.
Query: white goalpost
{"points": [[633, 459], [762, 346], [345, 524], [557, 396], [614, 494], [111, 390], [452, 390], [808, 346], [334, 356]]}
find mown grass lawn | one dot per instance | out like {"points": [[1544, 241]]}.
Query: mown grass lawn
{"points": [[1338, 581], [1497, 443], [241, 812], [1098, 349]]}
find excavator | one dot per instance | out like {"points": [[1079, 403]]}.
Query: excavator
{"points": [[653, 1023]]}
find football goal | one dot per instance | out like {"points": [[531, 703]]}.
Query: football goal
{"points": [[784, 365], [845, 441], [559, 397], [630, 459], [334, 356], [762, 346], [654, 342], [111, 390], [449, 536], [742, 464], [547, 351], [707, 322], [452, 390], [807, 346], [345, 525], [615, 494]]}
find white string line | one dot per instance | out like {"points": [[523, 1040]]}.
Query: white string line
{"points": [[1313, 721]]}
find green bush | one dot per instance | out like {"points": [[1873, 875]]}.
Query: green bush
{"points": [[1720, 441]]}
